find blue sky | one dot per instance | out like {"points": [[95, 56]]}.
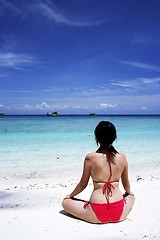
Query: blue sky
{"points": [[80, 56]]}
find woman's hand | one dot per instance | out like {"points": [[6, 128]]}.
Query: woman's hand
{"points": [[67, 197], [126, 194]]}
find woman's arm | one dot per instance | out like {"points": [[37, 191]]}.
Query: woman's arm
{"points": [[84, 179], [125, 178]]}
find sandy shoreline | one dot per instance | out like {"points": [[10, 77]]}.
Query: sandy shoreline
{"points": [[30, 208]]}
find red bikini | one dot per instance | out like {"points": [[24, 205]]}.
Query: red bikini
{"points": [[108, 212]]}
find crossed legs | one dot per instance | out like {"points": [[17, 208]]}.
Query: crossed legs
{"points": [[75, 208]]}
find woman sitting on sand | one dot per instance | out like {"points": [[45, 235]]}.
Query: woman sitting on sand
{"points": [[106, 167]]}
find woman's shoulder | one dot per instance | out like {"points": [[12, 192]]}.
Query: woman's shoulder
{"points": [[91, 155], [121, 157]]}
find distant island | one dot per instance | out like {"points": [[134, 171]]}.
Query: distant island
{"points": [[1, 114], [54, 114], [92, 114]]}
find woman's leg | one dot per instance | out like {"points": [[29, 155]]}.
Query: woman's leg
{"points": [[75, 208], [127, 206]]}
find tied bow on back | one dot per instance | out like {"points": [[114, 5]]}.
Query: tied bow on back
{"points": [[107, 189]]}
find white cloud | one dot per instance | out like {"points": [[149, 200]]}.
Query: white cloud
{"points": [[46, 107], [41, 106], [16, 61], [121, 84], [4, 107], [138, 85], [51, 12], [76, 107], [111, 104], [141, 65], [107, 105], [48, 10], [1, 106], [151, 80], [144, 108]]}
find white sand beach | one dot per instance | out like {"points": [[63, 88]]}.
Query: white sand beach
{"points": [[30, 209]]}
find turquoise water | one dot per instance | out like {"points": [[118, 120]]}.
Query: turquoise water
{"points": [[40, 144]]}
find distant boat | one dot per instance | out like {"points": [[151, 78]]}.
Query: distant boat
{"points": [[92, 114], [54, 114]]}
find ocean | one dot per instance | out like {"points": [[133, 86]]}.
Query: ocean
{"points": [[45, 145]]}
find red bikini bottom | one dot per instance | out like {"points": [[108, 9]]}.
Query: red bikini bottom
{"points": [[108, 212]]}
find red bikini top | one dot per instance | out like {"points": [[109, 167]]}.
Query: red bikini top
{"points": [[108, 186]]}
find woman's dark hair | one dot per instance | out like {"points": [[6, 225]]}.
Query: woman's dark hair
{"points": [[105, 134]]}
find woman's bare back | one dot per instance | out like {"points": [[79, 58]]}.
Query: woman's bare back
{"points": [[103, 171]]}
